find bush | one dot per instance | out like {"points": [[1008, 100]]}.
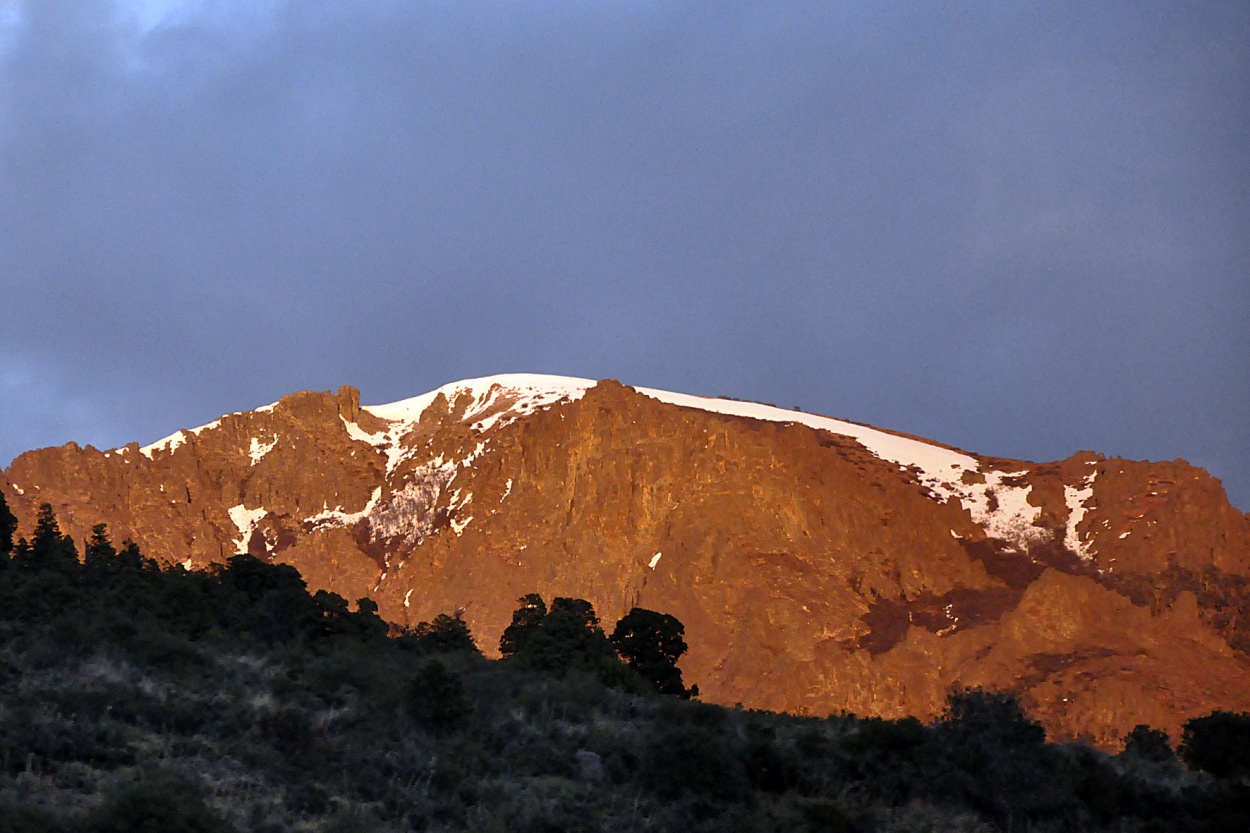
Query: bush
{"points": [[435, 698], [16, 818], [694, 760], [159, 803]]}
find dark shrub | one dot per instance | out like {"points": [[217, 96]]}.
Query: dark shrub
{"points": [[767, 767], [696, 761], [435, 698], [290, 731], [15, 818], [1218, 743], [160, 803]]}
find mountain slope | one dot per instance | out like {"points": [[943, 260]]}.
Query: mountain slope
{"points": [[819, 565]]}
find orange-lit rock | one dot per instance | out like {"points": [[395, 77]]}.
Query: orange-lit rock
{"points": [[818, 566]]}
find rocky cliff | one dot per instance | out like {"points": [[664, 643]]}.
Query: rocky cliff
{"points": [[819, 565]]}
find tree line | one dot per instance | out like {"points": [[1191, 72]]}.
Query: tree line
{"points": [[44, 577], [352, 724]]}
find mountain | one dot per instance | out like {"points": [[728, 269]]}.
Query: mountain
{"points": [[819, 565]]}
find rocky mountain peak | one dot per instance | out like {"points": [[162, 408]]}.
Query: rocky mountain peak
{"points": [[819, 565]]}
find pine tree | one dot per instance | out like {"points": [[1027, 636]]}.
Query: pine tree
{"points": [[8, 525], [99, 552], [49, 549]]}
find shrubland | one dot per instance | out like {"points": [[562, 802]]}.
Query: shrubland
{"points": [[231, 699]]}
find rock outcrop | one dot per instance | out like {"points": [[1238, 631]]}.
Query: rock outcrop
{"points": [[818, 565]]}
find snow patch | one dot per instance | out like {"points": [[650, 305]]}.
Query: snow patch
{"points": [[655, 559], [246, 520], [458, 526], [360, 435], [511, 395], [1125, 534], [259, 449], [457, 502], [213, 424], [407, 597], [336, 517], [507, 490], [1076, 499], [409, 515], [169, 444], [178, 438], [1001, 509]]}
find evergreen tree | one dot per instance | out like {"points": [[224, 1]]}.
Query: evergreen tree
{"points": [[525, 621], [1148, 744], [49, 549], [446, 634], [130, 558], [1218, 743], [651, 643], [565, 637], [99, 551], [8, 525]]}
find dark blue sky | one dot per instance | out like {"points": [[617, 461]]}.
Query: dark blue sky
{"points": [[1022, 229]]}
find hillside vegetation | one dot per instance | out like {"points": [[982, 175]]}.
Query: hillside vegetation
{"points": [[231, 699]]}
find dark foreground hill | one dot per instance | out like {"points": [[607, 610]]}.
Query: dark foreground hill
{"points": [[820, 566], [230, 699]]}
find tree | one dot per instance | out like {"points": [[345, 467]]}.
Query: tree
{"points": [[525, 620], [48, 547], [651, 643], [565, 637], [995, 757], [1218, 743], [366, 623], [8, 525], [989, 717], [445, 635], [269, 601], [99, 552], [1147, 744]]}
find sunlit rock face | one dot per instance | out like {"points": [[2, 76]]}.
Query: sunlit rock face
{"points": [[819, 565]]}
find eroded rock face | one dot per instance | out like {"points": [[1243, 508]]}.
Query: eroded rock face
{"points": [[818, 565]]}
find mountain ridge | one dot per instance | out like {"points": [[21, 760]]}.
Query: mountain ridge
{"points": [[819, 565]]}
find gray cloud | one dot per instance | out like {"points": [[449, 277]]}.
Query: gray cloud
{"points": [[1021, 231]]}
